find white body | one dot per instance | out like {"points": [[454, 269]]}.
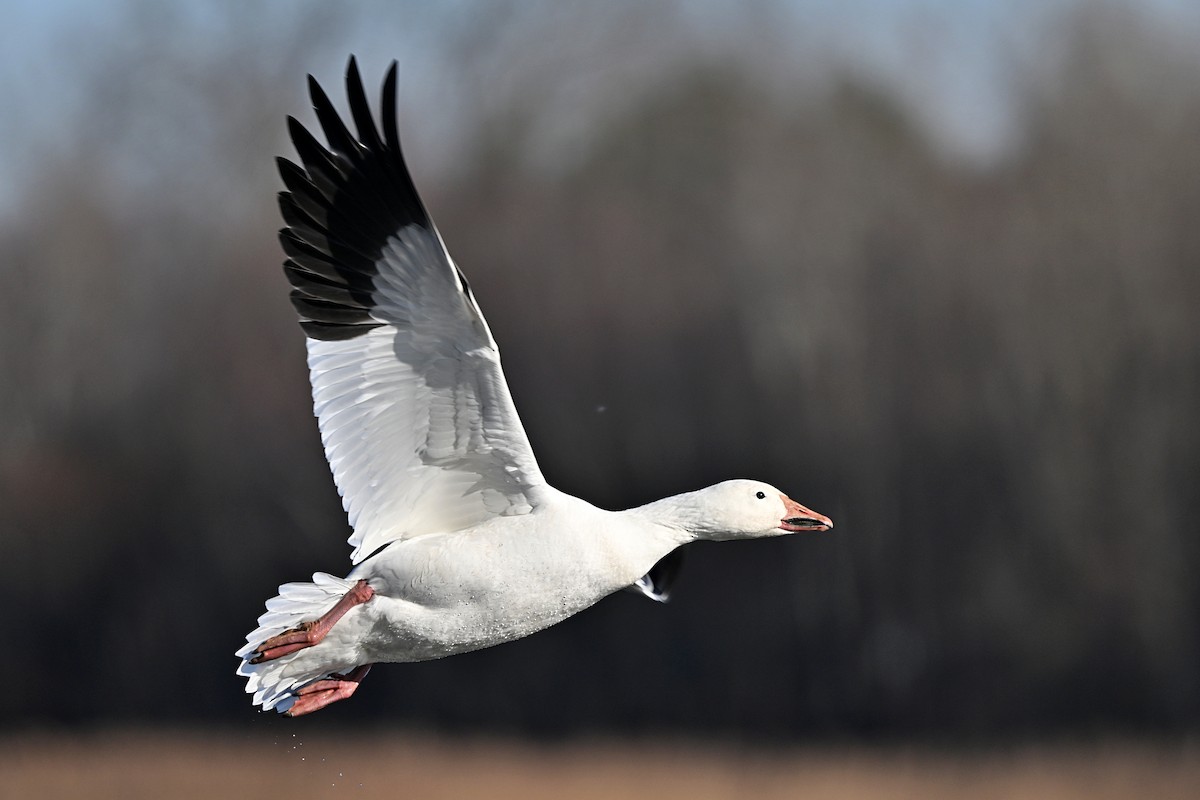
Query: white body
{"points": [[443, 594]]}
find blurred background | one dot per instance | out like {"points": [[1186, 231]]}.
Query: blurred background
{"points": [[933, 268]]}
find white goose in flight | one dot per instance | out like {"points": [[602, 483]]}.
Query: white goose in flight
{"points": [[459, 542]]}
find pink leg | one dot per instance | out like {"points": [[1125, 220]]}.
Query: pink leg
{"points": [[319, 694], [309, 633]]}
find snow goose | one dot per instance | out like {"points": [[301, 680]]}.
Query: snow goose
{"points": [[459, 543]]}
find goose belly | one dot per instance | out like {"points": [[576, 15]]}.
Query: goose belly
{"points": [[438, 596]]}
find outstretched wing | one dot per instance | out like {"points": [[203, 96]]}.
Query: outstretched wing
{"points": [[415, 415]]}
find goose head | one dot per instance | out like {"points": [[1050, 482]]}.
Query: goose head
{"points": [[743, 509]]}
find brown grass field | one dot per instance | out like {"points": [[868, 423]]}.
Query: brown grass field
{"points": [[292, 764]]}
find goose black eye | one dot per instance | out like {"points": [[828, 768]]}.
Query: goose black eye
{"points": [[760, 495]]}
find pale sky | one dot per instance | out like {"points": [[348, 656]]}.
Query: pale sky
{"points": [[951, 61]]}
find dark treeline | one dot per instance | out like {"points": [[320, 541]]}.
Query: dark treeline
{"points": [[989, 377]]}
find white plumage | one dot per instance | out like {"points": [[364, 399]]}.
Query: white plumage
{"points": [[458, 541]]}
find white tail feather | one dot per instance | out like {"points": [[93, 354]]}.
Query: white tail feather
{"points": [[273, 682]]}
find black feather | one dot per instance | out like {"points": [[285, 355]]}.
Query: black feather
{"points": [[336, 134], [368, 134], [342, 205]]}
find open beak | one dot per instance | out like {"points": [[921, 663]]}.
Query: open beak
{"points": [[800, 518]]}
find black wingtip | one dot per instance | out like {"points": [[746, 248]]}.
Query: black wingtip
{"points": [[294, 126], [344, 199], [286, 167], [315, 92], [336, 133], [391, 131], [353, 78], [360, 110]]}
